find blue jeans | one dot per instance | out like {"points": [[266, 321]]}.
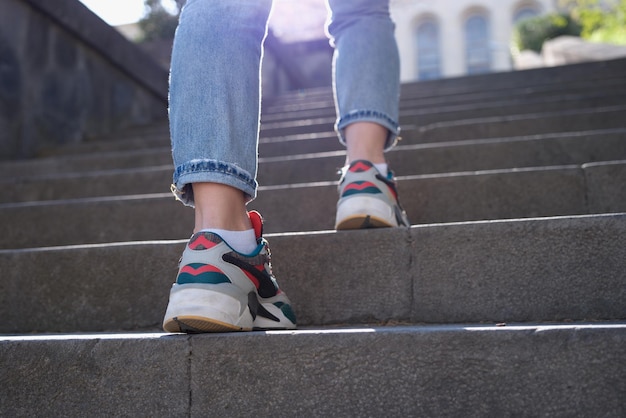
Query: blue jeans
{"points": [[215, 84]]}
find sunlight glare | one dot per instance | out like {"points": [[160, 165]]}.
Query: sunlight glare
{"points": [[120, 12]]}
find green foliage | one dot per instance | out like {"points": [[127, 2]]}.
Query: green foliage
{"points": [[158, 22], [594, 20], [601, 20], [533, 32]]}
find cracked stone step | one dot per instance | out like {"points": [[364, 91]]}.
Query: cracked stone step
{"points": [[560, 369], [542, 269]]}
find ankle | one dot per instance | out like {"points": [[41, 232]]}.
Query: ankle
{"points": [[366, 141], [220, 206]]}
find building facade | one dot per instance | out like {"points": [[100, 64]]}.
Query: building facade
{"points": [[436, 38], [448, 38]]}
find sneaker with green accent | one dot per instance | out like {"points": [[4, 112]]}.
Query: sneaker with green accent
{"points": [[367, 199], [218, 289]]}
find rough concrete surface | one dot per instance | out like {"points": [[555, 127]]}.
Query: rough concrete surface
{"points": [[97, 288], [469, 371], [414, 372], [96, 376], [427, 199], [528, 124], [523, 270], [150, 171], [606, 184], [560, 269]]}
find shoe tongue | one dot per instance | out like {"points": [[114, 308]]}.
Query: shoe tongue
{"points": [[257, 223]]}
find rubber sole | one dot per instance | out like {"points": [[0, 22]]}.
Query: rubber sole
{"points": [[196, 324], [362, 212], [362, 222], [195, 308]]}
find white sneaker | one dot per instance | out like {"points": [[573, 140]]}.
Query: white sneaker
{"points": [[218, 289], [367, 199]]}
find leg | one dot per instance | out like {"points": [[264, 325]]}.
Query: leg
{"points": [[214, 121], [366, 68], [365, 141], [215, 94], [367, 90], [219, 206]]}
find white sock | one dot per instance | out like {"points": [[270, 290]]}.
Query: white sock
{"points": [[383, 168], [243, 242]]}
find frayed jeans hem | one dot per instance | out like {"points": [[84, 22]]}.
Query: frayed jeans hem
{"points": [[210, 171]]}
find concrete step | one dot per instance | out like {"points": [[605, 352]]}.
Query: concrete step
{"points": [[545, 79], [604, 193], [577, 94], [81, 163], [463, 196], [451, 197], [520, 125], [473, 161], [154, 135], [536, 78], [507, 107], [458, 370], [140, 180], [150, 156], [447, 157], [490, 154], [327, 141], [521, 89], [284, 145], [149, 146], [541, 269], [517, 93], [582, 91], [423, 115], [478, 128]]}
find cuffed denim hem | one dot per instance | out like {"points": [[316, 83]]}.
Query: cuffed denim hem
{"points": [[369, 116], [210, 171]]}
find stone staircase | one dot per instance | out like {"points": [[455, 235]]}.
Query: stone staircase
{"points": [[506, 297]]}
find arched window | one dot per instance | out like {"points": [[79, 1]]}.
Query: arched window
{"points": [[477, 51], [524, 13], [428, 50]]}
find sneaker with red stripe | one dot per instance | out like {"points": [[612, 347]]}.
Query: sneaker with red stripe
{"points": [[367, 199], [218, 289]]}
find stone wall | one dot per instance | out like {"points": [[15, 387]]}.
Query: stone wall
{"points": [[566, 50], [66, 76]]}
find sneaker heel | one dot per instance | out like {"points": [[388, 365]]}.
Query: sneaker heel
{"points": [[198, 308]]}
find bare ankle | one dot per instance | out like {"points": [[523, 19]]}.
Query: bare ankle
{"points": [[220, 206], [366, 141]]}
